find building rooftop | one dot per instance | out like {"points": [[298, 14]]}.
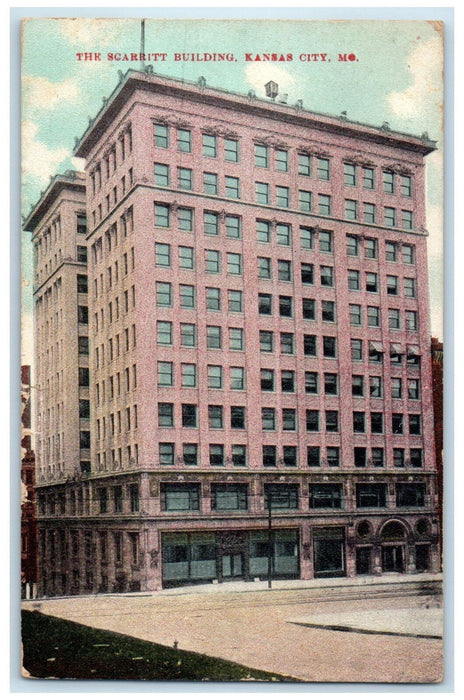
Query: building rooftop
{"points": [[70, 179], [250, 103]]}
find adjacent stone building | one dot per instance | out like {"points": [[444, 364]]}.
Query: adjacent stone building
{"points": [[254, 279]]}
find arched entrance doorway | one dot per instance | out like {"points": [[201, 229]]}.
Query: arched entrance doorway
{"points": [[393, 537]]}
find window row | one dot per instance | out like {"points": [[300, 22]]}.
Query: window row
{"points": [[189, 379], [391, 218], [372, 314], [109, 241], [117, 151], [115, 384], [394, 252], [372, 283], [114, 424], [375, 352], [391, 181]]}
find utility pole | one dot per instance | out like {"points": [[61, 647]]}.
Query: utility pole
{"points": [[270, 552]]}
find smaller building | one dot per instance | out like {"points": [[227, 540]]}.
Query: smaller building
{"points": [[437, 387], [28, 499]]}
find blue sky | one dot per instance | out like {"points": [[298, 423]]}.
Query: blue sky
{"points": [[397, 77]]}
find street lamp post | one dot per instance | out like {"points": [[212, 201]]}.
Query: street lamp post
{"points": [[270, 548]]}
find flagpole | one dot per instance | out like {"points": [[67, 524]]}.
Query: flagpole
{"points": [[142, 42]]}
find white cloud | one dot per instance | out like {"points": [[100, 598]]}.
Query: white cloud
{"points": [[425, 91], [258, 74], [90, 33], [79, 163], [40, 93], [36, 158]]}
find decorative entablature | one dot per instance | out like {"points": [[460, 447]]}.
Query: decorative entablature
{"points": [[313, 149], [127, 126], [359, 159], [398, 168], [270, 141]]}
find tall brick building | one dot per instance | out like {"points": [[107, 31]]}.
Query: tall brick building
{"points": [[259, 341]]}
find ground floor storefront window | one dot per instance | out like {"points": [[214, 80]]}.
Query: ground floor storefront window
{"points": [[329, 551]]}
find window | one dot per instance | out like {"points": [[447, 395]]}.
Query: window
{"points": [[262, 192], [359, 422], [81, 253], [236, 339], [357, 385], [324, 204], [283, 196], [375, 387], [211, 223], [265, 304], [212, 261], [287, 343], [373, 316], [390, 251], [163, 294], [186, 258], [166, 452], [232, 187], [165, 374], [352, 245], [397, 423], [189, 415], [216, 454], [288, 419], [356, 350], [411, 320], [210, 183], [184, 140], [326, 496], [396, 387], [409, 287], [264, 268], [406, 219], [304, 164], [377, 422], [413, 388], [304, 200], [234, 300], [326, 241], [215, 417], [261, 155], [213, 337], [237, 378], [414, 424], [287, 381], [310, 345], [410, 495], [229, 497], [350, 174], [83, 314], [353, 279], [164, 332], [328, 311], [285, 306], [161, 175], [329, 346], [327, 279], [284, 234], [234, 263], [307, 273], [239, 455], [83, 345], [388, 182], [267, 380], [281, 496], [311, 383], [323, 169], [263, 230], [355, 314], [312, 420], [231, 152], [84, 376], [82, 284], [351, 209], [306, 237], [266, 341], [190, 453], [163, 254], [330, 384], [371, 495], [268, 418], [162, 215], [372, 282], [161, 136], [269, 455], [331, 421], [213, 299], [368, 178], [284, 270], [166, 415], [188, 375], [360, 456], [394, 319], [188, 335], [370, 248], [233, 227], [390, 216], [392, 285], [313, 457], [408, 254], [237, 417], [333, 456], [180, 496], [209, 146], [185, 219], [369, 213], [281, 158], [214, 377], [309, 309]]}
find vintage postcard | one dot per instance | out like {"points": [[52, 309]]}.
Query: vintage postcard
{"points": [[232, 350]]}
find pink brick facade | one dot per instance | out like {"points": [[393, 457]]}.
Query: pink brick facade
{"points": [[258, 307]]}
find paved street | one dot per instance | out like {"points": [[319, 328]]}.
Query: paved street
{"points": [[267, 629]]}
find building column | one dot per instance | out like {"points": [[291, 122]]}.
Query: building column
{"points": [[153, 559], [377, 559], [306, 555]]}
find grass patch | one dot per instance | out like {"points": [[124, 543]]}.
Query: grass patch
{"points": [[55, 648]]}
